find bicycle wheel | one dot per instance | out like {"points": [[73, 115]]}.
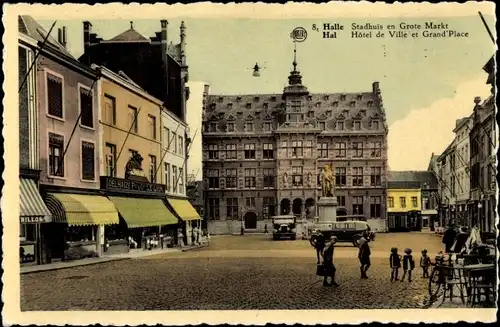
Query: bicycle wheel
{"points": [[434, 284]]}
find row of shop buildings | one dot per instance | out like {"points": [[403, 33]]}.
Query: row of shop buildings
{"points": [[466, 170], [103, 144]]}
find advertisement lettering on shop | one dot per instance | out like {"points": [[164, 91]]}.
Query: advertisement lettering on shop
{"points": [[118, 184]]}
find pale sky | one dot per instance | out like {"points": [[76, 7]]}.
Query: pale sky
{"points": [[426, 83]]}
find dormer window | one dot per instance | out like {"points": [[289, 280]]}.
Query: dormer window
{"points": [[265, 105], [322, 125], [248, 127], [357, 125], [342, 97], [273, 99], [318, 104], [230, 127], [326, 97], [266, 127], [353, 103], [340, 126], [375, 125], [212, 127], [249, 105], [310, 98], [362, 112], [328, 113], [238, 99], [230, 106], [335, 103], [370, 103], [360, 96], [256, 99], [310, 114], [221, 99], [212, 106]]}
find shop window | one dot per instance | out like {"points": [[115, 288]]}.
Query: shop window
{"points": [[86, 107], [114, 232], [76, 234], [55, 95], [56, 160], [27, 232]]}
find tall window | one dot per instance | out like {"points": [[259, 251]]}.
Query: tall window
{"points": [[295, 106], [268, 151], [213, 152], [110, 160], [166, 135], [414, 202], [56, 149], [266, 127], [86, 107], [357, 125], [213, 178], [375, 125], [181, 145], [231, 152], [390, 202], [250, 202], [167, 176], [340, 176], [268, 207], [109, 109], [357, 177], [181, 180], [88, 161], [358, 149], [132, 119], [340, 149], [248, 127], [323, 150], [232, 178], [232, 208], [250, 178], [249, 151], [174, 179], [297, 150], [268, 177], [375, 207], [213, 208], [152, 127], [341, 200], [377, 149], [297, 175], [402, 202], [357, 205], [230, 127], [174, 142], [55, 95], [340, 126], [152, 168], [375, 177]]}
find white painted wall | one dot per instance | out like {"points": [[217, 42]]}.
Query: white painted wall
{"points": [[175, 155], [193, 118]]}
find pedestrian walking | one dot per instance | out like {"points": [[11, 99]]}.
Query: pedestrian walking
{"points": [[318, 242], [425, 262], [364, 255], [408, 265], [329, 267], [449, 238], [395, 264], [180, 238]]}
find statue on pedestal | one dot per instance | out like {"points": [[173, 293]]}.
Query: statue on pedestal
{"points": [[285, 180], [327, 181]]}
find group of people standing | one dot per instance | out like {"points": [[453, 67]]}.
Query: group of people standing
{"points": [[325, 254]]}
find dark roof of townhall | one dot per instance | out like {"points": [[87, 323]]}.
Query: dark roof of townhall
{"points": [[411, 180]]}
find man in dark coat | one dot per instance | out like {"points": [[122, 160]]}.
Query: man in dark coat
{"points": [[460, 240], [318, 242], [449, 238], [328, 263], [364, 255]]}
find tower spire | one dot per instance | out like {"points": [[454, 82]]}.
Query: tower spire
{"points": [[295, 78], [294, 56]]}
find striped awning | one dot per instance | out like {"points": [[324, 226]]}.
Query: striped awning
{"points": [[184, 209], [32, 208], [81, 210], [138, 212]]}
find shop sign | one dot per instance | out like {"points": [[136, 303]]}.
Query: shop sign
{"points": [[131, 186], [27, 253], [32, 220]]}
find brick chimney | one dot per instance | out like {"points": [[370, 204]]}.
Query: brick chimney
{"points": [[164, 47], [183, 43], [375, 88], [61, 36], [87, 30]]}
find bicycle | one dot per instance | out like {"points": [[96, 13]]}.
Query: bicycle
{"points": [[440, 272]]}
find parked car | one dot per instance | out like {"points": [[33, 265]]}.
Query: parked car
{"points": [[346, 231]]}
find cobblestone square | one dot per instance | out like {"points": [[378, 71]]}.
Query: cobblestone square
{"points": [[234, 272]]}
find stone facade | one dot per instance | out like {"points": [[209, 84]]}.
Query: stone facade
{"points": [[262, 154]]}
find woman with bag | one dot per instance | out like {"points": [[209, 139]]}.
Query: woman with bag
{"points": [[328, 266]]}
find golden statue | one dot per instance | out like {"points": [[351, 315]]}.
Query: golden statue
{"points": [[328, 181]]}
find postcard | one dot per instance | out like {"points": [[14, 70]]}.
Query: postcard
{"points": [[249, 163]]}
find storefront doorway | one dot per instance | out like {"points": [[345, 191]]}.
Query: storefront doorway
{"points": [[250, 220]]}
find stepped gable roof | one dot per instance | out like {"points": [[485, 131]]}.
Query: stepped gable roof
{"points": [[27, 25]]}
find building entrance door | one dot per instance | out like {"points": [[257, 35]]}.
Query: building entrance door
{"points": [[250, 220]]}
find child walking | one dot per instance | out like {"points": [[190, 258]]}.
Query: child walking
{"points": [[425, 262], [395, 264], [408, 264]]}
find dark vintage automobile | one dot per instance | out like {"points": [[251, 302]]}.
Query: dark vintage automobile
{"points": [[345, 231]]}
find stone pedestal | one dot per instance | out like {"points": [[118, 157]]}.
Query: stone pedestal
{"points": [[327, 209]]}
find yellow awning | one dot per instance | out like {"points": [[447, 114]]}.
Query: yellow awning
{"points": [[143, 212], [81, 210], [184, 209]]}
